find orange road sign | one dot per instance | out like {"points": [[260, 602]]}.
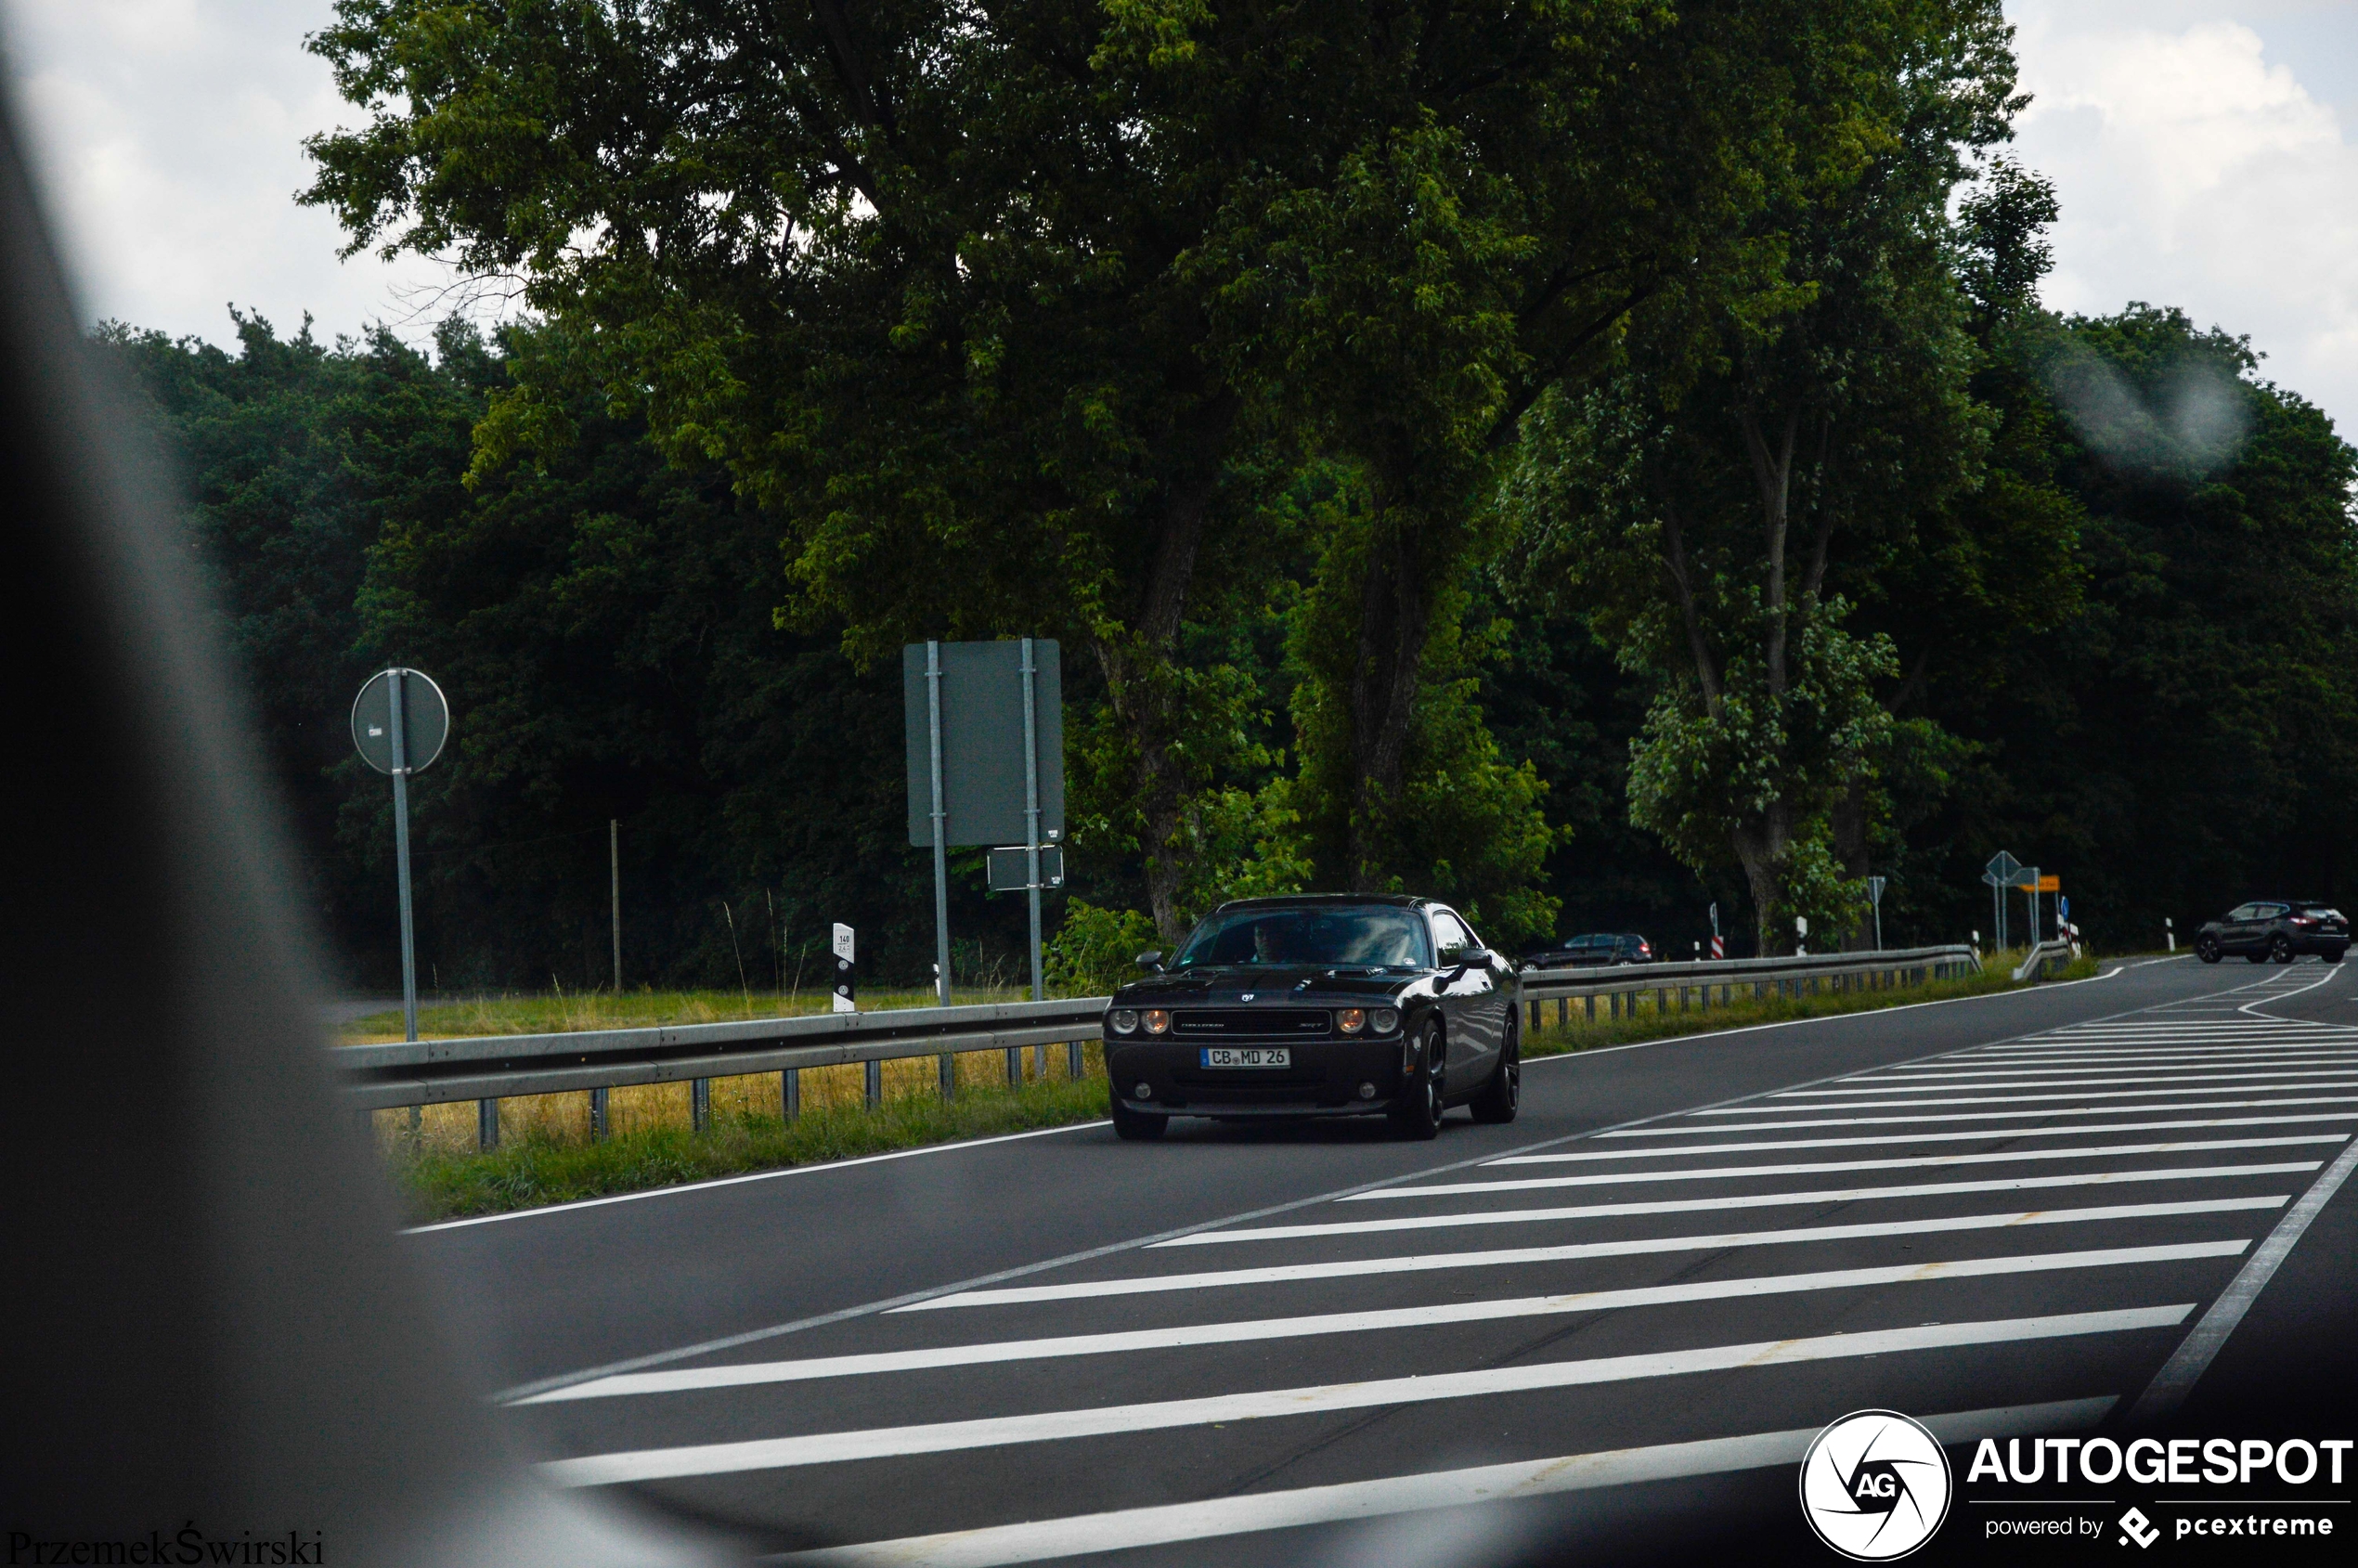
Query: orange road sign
{"points": [[2050, 883]]}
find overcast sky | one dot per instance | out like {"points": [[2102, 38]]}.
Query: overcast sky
{"points": [[2206, 153]]}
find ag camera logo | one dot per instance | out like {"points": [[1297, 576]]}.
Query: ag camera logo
{"points": [[1875, 1485]]}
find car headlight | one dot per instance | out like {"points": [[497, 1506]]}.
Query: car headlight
{"points": [[1122, 1020], [1384, 1020], [1350, 1020], [1158, 1021]]}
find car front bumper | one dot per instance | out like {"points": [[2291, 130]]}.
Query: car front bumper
{"points": [[1326, 1078]]}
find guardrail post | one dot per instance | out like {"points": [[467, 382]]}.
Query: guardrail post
{"points": [[1592, 1007], [598, 1127], [875, 1083], [486, 1125], [946, 1069], [1014, 1066], [790, 1093], [1662, 1000], [700, 1104], [1076, 1062]]}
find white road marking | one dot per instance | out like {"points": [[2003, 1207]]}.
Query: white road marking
{"points": [[2177, 1374], [1000, 1545], [1927, 1137], [1690, 1130], [992, 1431], [2259, 1086], [1979, 1135], [744, 1373], [2081, 1078], [1818, 1167], [1718, 1202], [1424, 1262]]}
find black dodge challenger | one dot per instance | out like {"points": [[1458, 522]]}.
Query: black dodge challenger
{"points": [[1337, 1004]]}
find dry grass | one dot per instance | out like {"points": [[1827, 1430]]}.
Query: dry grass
{"points": [[562, 1012]]}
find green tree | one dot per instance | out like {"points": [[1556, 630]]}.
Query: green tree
{"points": [[1692, 500]]}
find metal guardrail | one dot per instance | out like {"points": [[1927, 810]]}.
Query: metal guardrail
{"points": [[487, 1068], [2040, 956], [1620, 985]]}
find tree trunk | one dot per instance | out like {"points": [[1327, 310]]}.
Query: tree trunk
{"points": [[1759, 846], [1395, 620], [1140, 679], [1850, 848]]}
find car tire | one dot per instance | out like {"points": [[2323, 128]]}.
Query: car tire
{"points": [[1137, 1126], [2280, 949], [1502, 1097], [2333, 955], [1418, 1117], [2208, 950]]}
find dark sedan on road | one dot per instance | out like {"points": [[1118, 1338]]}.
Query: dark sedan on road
{"points": [[2278, 929], [1318, 1005], [1592, 951]]}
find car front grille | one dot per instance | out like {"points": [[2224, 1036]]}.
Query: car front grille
{"points": [[1253, 1023]]}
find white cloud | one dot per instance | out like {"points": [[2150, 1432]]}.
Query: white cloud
{"points": [[2197, 169], [166, 135]]}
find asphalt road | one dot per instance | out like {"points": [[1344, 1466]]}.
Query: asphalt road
{"points": [[1603, 1332]]}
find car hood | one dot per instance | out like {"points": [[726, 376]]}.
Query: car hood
{"points": [[1307, 985]]}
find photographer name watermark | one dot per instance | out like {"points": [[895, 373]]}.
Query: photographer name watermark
{"points": [[185, 1548]]}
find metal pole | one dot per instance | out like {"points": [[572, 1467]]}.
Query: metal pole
{"points": [[401, 852], [614, 863], [1032, 859], [940, 828]]}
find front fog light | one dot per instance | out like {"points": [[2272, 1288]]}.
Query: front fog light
{"points": [[1367, 1091], [1123, 1020], [1158, 1021], [1350, 1020], [1384, 1020], [1143, 1091]]}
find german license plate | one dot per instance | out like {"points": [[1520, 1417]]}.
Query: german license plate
{"points": [[1247, 1055]]}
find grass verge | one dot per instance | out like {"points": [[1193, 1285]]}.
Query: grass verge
{"points": [[564, 1011], [541, 1168], [547, 1157]]}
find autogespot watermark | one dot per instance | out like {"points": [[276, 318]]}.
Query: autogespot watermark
{"points": [[1874, 1486], [2226, 1477]]}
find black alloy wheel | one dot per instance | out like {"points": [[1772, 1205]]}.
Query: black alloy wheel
{"points": [[1502, 1097], [2281, 949], [2208, 950], [1418, 1117], [1137, 1125]]}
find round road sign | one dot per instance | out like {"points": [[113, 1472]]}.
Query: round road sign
{"points": [[425, 720]]}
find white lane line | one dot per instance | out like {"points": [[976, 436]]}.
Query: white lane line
{"points": [[745, 1374], [2084, 1062], [995, 1432], [1425, 1262], [821, 1168], [1690, 1130], [2260, 1087], [1001, 1546], [1817, 1168], [1981, 1135], [2186, 1364], [2244, 1078], [1723, 1201]]}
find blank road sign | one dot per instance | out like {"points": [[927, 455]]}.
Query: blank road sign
{"points": [[1011, 867], [425, 720], [983, 758]]}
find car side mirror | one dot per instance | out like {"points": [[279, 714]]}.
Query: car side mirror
{"points": [[1150, 961]]}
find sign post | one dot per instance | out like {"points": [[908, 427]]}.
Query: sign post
{"points": [[399, 721], [985, 732], [1876, 885], [1718, 947], [2003, 871]]}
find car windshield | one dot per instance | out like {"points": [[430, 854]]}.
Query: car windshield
{"points": [[1376, 936]]}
